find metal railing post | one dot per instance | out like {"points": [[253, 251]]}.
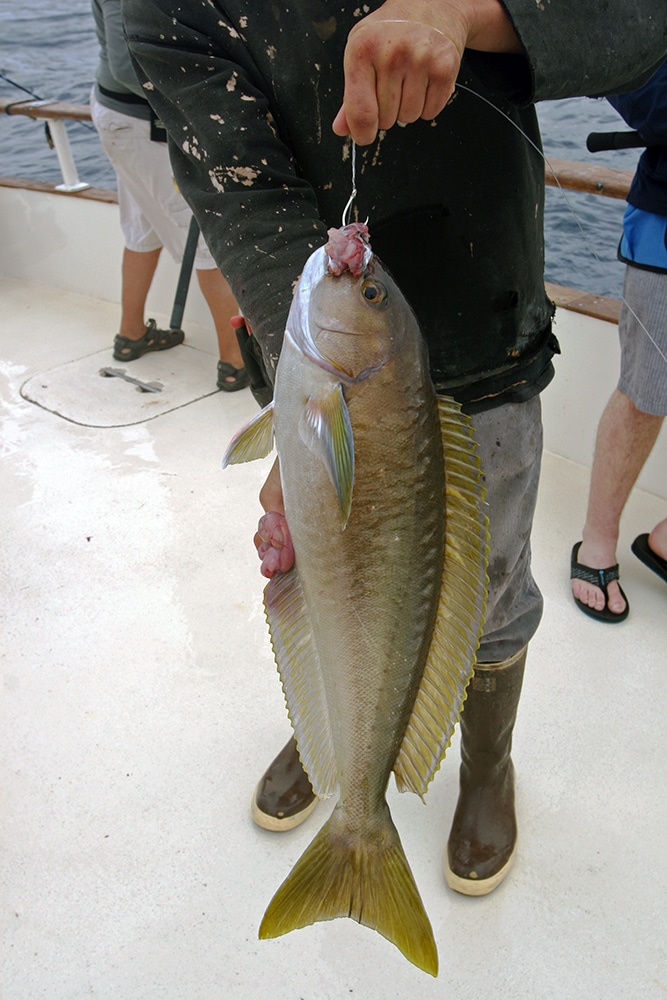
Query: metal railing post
{"points": [[61, 144]]}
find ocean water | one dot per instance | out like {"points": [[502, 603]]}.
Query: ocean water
{"points": [[50, 49]]}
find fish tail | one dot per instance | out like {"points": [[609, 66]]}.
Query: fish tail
{"points": [[367, 878]]}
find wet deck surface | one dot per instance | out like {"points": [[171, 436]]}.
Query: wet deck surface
{"points": [[141, 704]]}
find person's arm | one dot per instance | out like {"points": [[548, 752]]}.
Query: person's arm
{"points": [[402, 61], [589, 48]]}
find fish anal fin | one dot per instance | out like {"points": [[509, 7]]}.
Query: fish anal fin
{"points": [[301, 676], [460, 613], [368, 879], [325, 428], [254, 440]]}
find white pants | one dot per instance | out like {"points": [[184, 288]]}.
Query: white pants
{"points": [[153, 213]]}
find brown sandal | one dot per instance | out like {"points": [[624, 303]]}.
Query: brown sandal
{"points": [[153, 339], [231, 379]]}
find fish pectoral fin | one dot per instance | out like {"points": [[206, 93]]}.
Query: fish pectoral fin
{"points": [[301, 676], [254, 440], [325, 428], [369, 879], [461, 608]]}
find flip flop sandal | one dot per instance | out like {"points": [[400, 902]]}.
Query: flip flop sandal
{"points": [[239, 377], [645, 554], [599, 578], [153, 339]]}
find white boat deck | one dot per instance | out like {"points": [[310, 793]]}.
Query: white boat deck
{"points": [[141, 705]]}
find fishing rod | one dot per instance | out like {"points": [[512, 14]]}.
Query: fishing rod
{"points": [[26, 90], [597, 142], [19, 86]]}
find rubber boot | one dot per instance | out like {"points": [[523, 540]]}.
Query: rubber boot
{"points": [[284, 797], [482, 841]]}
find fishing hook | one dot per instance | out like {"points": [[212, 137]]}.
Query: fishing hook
{"points": [[348, 207]]}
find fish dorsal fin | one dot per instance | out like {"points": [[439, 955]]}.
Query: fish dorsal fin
{"points": [[460, 615], [254, 440], [325, 429], [301, 675]]}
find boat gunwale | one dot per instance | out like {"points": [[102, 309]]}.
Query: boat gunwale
{"points": [[588, 178]]}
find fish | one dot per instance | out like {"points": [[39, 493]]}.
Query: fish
{"points": [[376, 625]]}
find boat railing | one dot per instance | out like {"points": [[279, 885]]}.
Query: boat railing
{"points": [[56, 113], [586, 178]]}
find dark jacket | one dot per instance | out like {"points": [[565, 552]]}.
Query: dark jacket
{"points": [[455, 207], [645, 110]]}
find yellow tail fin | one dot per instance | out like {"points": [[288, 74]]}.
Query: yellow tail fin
{"points": [[368, 879]]}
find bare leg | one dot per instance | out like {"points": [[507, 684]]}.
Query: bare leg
{"points": [[222, 305], [624, 441], [658, 539], [137, 272]]}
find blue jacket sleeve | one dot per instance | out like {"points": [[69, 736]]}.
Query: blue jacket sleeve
{"points": [[645, 109]]}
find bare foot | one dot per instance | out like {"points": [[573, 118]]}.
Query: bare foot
{"points": [[657, 540]]}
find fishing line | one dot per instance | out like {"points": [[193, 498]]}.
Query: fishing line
{"points": [[348, 207], [603, 270]]}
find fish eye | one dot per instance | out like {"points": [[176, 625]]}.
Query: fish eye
{"points": [[373, 291]]}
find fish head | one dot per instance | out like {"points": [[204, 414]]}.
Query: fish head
{"points": [[350, 323]]}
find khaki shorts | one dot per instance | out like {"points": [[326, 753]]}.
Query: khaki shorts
{"points": [[642, 331], [153, 213]]}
